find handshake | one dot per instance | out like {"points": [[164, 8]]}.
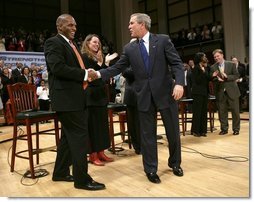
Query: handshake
{"points": [[92, 75]]}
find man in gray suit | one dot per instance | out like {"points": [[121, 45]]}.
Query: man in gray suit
{"points": [[150, 57], [224, 74]]}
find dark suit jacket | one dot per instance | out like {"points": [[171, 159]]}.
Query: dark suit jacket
{"points": [[230, 84], [242, 74], [65, 75], [16, 73], [22, 79], [130, 97], [158, 83]]}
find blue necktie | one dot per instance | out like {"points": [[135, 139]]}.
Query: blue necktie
{"points": [[144, 54]]}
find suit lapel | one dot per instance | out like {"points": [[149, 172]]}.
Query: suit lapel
{"points": [[67, 45]]}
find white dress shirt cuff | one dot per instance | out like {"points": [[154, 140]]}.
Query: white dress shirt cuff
{"points": [[86, 75], [98, 74]]}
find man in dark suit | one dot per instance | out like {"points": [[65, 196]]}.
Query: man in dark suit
{"points": [[17, 71], [224, 75], [130, 99], [68, 99], [155, 90], [241, 81]]}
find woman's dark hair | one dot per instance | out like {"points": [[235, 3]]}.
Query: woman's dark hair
{"points": [[42, 80], [23, 69], [198, 57]]}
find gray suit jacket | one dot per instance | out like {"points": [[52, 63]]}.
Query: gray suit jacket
{"points": [[230, 84], [157, 83]]}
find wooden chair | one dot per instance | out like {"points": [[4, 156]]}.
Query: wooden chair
{"points": [[121, 110], [24, 108]]}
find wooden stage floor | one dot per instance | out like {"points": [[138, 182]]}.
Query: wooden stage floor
{"points": [[214, 166]]}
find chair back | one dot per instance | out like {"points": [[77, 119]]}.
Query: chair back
{"points": [[22, 97]]}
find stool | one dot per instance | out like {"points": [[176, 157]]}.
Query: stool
{"points": [[121, 110]]}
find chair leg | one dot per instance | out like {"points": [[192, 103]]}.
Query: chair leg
{"points": [[111, 130], [129, 140], [56, 131], [37, 143], [128, 133], [14, 145], [122, 120], [30, 148]]}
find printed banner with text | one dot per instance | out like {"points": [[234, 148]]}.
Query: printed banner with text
{"points": [[26, 58]]}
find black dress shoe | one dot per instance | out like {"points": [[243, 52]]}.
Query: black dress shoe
{"points": [[178, 171], [153, 177], [92, 186], [137, 151], [203, 134], [223, 132], [67, 178], [196, 134], [236, 132]]}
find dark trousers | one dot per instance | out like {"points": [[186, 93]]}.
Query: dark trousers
{"points": [[133, 126], [73, 146], [148, 132], [199, 114], [44, 104], [224, 105]]}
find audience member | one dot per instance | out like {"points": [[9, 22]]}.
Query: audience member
{"points": [[35, 78], [130, 99], [25, 76], [206, 34], [21, 46], [191, 36], [17, 71], [11, 46], [116, 80], [217, 30], [224, 75], [198, 33], [187, 80], [2, 43], [241, 81], [191, 64], [6, 79], [1, 66], [43, 96], [97, 100], [200, 79]]}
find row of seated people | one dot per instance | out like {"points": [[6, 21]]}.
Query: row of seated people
{"points": [[198, 34], [24, 40]]}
